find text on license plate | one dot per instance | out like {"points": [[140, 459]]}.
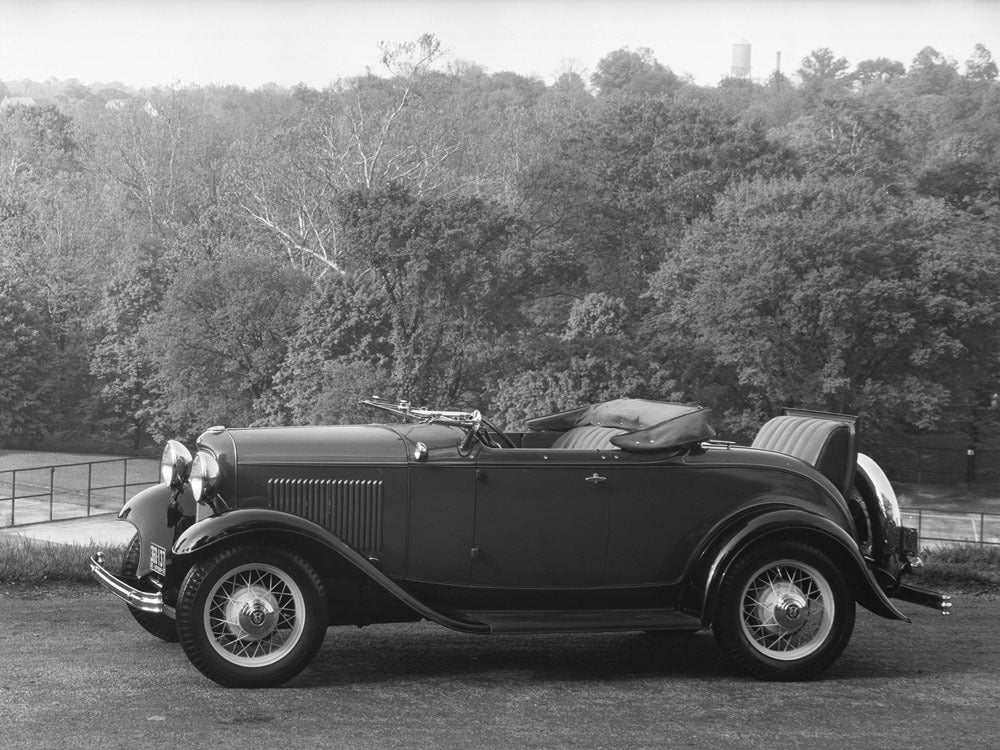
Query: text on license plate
{"points": [[157, 559]]}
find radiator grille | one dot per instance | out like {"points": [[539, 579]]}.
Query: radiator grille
{"points": [[350, 508]]}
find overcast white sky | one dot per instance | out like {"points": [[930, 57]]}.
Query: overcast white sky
{"points": [[253, 42]]}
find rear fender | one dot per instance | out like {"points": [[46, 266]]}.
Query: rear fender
{"points": [[217, 530], [791, 523], [159, 519]]}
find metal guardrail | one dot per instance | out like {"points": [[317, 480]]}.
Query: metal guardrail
{"points": [[77, 490], [946, 527]]}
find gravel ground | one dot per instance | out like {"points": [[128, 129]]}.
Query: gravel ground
{"points": [[77, 672]]}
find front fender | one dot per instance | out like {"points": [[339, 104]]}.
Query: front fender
{"points": [[158, 519], [217, 528], [236, 523], [790, 523]]}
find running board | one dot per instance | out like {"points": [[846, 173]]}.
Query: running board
{"points": [[576, 621]]}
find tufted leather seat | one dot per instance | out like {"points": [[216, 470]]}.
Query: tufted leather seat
{"points": [[588, 437], [826, 444]]}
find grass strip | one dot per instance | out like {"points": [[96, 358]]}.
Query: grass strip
{"points": [[32, 562], [965, 567]]}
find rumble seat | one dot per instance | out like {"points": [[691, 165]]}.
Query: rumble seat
{"points": [[588, 437], [826, 444]]}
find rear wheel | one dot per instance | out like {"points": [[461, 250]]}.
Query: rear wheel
{"points": [[161, 626], [251, 618], [785, 612]]}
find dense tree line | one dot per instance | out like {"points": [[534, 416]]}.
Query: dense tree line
{"points": [[176, 258]]}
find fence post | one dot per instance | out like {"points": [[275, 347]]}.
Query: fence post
{"points": [[13, 494], [125, 482], [52, 492]]}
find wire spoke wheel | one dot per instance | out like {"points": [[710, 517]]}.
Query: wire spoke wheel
{"points": [[251, 616], [785, 611], [788, 610], [254, 615]]}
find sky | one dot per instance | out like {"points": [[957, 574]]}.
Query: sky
{"points": [[254, 42]]}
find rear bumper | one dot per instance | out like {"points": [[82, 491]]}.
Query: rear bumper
{"points": [[923, 597], [145, 601]]}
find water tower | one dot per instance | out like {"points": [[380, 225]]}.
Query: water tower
{"points": [[741, 59]]}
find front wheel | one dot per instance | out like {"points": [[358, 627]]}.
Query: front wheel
{"points": [[251, 618], [785, 612]]}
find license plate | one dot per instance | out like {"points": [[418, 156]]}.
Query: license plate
{"points": [[157, 559]]}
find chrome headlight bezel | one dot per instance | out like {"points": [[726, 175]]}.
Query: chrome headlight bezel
{"points": [[175, 464], [204, 477]]}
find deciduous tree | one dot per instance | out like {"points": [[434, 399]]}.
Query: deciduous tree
{"points": [[633, 72], [218, 340], [25, 382], [451, 273], [832, 294]]}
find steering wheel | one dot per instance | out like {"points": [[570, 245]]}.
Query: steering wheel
{"points": [[486, 427]]}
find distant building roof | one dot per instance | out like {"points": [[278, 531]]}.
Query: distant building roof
{"points": [[120, 104]]}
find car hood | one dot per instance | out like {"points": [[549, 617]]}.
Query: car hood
{"points": [[375, 444]]}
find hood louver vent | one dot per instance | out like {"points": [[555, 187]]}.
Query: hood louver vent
{"points": [[350, 508]]}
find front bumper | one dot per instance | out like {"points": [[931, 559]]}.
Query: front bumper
{"points": [[145, 601]]}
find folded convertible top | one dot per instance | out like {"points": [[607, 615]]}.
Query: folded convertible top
{"points": [[650, 425]]}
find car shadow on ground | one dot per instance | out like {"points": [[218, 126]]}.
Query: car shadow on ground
{"points": [[384, 653], [387, 653]]}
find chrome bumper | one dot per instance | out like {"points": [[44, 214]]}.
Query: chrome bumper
{"points": [[924, 597], [144, 601]]}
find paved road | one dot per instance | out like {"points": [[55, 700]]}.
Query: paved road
{"points": [[99, 530], [77, 672]]}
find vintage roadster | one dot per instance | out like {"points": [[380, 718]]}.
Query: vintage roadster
{"points": [[624, 515]]}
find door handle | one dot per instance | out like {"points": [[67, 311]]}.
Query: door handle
{"points": [[596, 479]]}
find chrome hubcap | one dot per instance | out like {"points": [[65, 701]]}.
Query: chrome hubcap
{"points": [[252, 613], [783, 608]]}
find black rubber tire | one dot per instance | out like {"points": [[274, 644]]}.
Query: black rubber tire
{"points": [[241, 587], [161, 626], [761, 600]]}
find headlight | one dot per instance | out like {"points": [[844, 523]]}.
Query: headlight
{"points": [[175, 464], [204, 476]]}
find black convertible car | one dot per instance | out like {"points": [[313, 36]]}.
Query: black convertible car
{"points": [[624, 515]]}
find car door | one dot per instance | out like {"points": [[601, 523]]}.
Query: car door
{"points": [[661, 510], [541, 518], [442, 506]]}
